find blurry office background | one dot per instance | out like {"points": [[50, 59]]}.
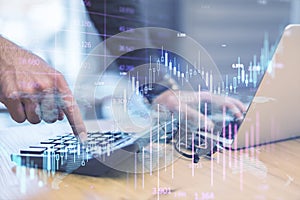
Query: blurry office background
{"points": [[229, 29], [61, 32]]}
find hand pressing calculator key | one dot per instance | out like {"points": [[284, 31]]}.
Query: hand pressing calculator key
{"points": [[101, 153], [121, 151]]}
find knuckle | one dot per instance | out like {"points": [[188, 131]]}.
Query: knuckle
{"points": [[60, 78], [10, 95]]}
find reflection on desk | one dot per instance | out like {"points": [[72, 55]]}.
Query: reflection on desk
{"points": [[266, 172]]}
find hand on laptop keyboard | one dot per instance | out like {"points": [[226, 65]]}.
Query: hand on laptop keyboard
{"points": [[201, 132], [186, 103]]}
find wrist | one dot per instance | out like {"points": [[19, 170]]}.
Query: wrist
{"points": [[11, 54]]}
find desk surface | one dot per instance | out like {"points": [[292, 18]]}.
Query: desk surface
{"points": [[266, 172]]}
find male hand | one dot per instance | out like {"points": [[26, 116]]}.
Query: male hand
{"points": [[32, 90], [187, 104]]}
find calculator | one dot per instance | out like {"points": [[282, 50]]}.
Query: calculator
{"points": [[102, 152]]}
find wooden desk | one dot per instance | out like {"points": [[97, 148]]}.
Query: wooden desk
{"points": [[266, 172]]}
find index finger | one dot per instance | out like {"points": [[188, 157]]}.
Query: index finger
{"points": [[70, 108], [73, 115]]}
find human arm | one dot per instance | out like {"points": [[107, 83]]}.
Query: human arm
{"points": [[32, 90]]}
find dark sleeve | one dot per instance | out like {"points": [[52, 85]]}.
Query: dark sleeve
{"points": [[111, 17], [114, 16]]}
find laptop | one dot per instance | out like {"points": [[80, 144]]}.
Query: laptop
{"points": [[274, 113]]}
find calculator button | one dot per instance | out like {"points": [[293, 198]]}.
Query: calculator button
{"points": [[32, 151], [47, 142], [42, 146]]}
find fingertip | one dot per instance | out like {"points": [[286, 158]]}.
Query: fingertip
{"points": [[34, 121], [82, 136], [18, 116], [70, 108], [19, 119]]}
